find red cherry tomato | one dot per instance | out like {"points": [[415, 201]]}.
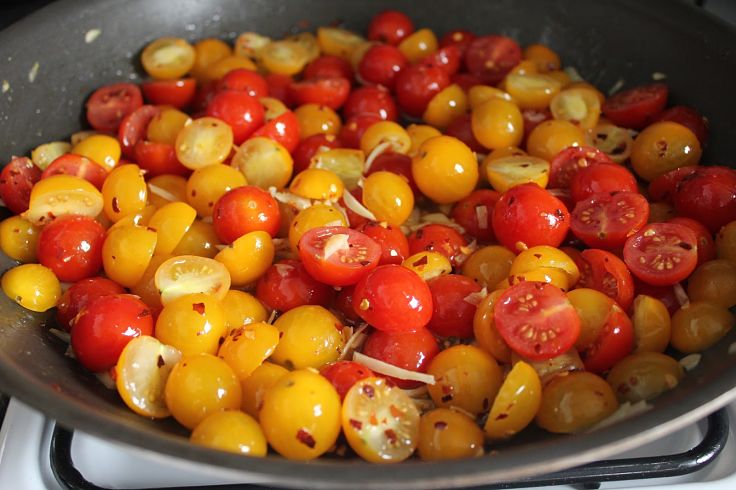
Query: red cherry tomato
{"points": [[475, 212], [636, 107], [416, 85], [203, 95], [690, 118], [564, 165], [381, 64], [158, 159], [105, 326], [664, 187], [662, 254], [398, 164], [283, 129], [330, 92], [390, 27], [78, 166], [447, 58], [344, 304], [176, 93], [615, 342], [71, 246], [706, 245], [412, 351], [491, 57], [461, 128], [243, 80], [533, 118], [439, 238], [393, 243], [328, 66], [536, 320], [527, 214], [453, 312], [708, 195], [133, 128], [242, 112], [601, 178], [352, 131], [16, 181], [370, 100], [108, 105], [394, 299], [465, 80], [606, 220], [245, 209], [344, 374], [309, 146], [337, 255], [80, 294], [286, 285], [604, 272], [278, 87], [459, 38]]}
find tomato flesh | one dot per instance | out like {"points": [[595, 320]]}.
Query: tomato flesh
{"points": [[108, 105], [600, 178], [344, 374], [662, 254], [606, 221], [604, 272], [569, 161], [78, 166], [615, 342], [16, 181], [491, 57], [636, 107], [338, 255]]}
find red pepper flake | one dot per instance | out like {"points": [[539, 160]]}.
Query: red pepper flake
{"points": [[423, 261], [198, 307], [356, 424], [160, 362], [369, 391], [440, 425], [501, 416], [447, 398], [305, 438], [115, 206], [391, 436]]}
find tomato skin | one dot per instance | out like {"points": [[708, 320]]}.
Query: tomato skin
{"points": [[416, 85], [533, 118], [352, 131], [344, 374], [462, 129], [381, 64], [665, 294], [283, 129], [105, 326], [330, 92], [133, 128], [344, 304], [80, 294], [16, 181], [343, 268], [491, 57], [569, 161], [309, 146], [243, 80], [529, 214], [390, 27], [234, 214], [665, 261], [465, 80], [438, 238], [615, 342], [278, 87], [636, 107], [370, 100], [175, 93], [286, 285], [465, 213], [159, 159], [459, 38], [600, 178], [604, 272], [706, 245], [539, 308], [664, 187], [242, 112], [452, 315], [328, 66], [393, 299], [708, 196], [71, 246], [606, 220], [71, 164], [408, 350], [394, 245], [447, 58], [108, 105], [690, 118], [398, 164]]}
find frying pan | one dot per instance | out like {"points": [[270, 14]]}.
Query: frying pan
{"points": [[618, 40]]}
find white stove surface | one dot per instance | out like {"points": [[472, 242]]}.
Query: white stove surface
{"points": [[24, 460]]}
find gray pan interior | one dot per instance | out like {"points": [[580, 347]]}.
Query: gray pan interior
{"points": [[622, 39]]}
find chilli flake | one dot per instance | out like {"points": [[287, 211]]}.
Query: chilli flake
{"points": [[387, 369]]}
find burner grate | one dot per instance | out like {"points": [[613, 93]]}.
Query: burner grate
{"points": [[589, 476]]}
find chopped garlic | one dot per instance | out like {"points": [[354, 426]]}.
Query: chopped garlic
{"points": [[690, 362], [162, 193], [91, 35], [387, 369], [106, 380], [481, 213], [5, 86], [375, 152], [681, 295], [336, 243], [354, 342], [625, 410], [288, 198], [732, 348], [658, 76], [475, 298], [616, 86], [417, 392], [357, 207], [34, 72]]}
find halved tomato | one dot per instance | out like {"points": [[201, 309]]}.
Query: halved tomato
{"points": [[16, 181], [338, 255], [133, 128], [603, 177], [604, 272], [190, 274], [78, 166], [606, 221], [108, 105], [636, 107], [566, 163], [662, 254], [615, 341]]}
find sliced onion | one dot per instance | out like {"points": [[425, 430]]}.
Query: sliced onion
{"points": [[387, 369], [357, 207]]}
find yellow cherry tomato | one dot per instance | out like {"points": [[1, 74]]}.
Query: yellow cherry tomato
{"points": [[310, 335], [146, 288], [543, 57], [700, 325], [101, 149], [506, 151], [19, 239], [418, 45], [249, 45], [272, 108], [446, 106], [317, 183], [580, 106], [562, 77], [317, 119], [516, 404], [659, 212], [445, 169], [652, 324], [207, 184], [242, 308], [337, 42], [200, 239], [166, 188], [550, 275], [726, 242], [489, 265], [662, 147], [255, 386], [507, 172], [314, 217], [484, 329], [126, 253], [193, 323], [44, 154], [206, 52], [644, 375], [593, 308], [613, 141], [300, 415], [714, 282], [248, 257], [418, 134], [284, 57], [347, 163], [308, 41], [497, 123], [171, 222], [448, 434], [168, 58], [246, 347], [124, 192], [550, 137], [141, 218], [189, 274], [532, 91], [391, 135], [478, 94], [264, 162], [545, 256], [32, 286], [388, 196], [200, 385], [206, 141], [165, 125], [62, 195], [428, 265], [525, 67], [561, 364], [232, 431], [222, 67]]}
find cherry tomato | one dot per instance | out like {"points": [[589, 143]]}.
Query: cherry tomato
{"points": [[284, 130], [708, 196], [614, 342], [604, 272], [381, 64], [408, 350], [390, 27], [370, 100], [108, 105], [80, 294], [416, 85], [662, 254], [466, 81], [175, 93], [491, 57], [536, 320], [606, 220], [439, 238], [344, 374], [330, 92], [393, 243], [278, 87], [105, 326], [328, 66], [159, 159], [133, 128], [665, 294], [78, 166], [459, 38], [16, 181], [690, 118], [636, 107], [528, 215], [310, 146], [600, 178], [474, 213], [286, 285], [706, 245], [241, 111], [447, 58], [462, 129], [244, 80], [354, 128], [245, 209], [71, 246], [453, 310], [394, 299], [569, 161]]}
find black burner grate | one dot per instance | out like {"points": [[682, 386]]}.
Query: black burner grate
{"points": [[586, 476]]}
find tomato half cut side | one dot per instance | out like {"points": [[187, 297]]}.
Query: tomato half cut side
{"points": [[615, 342], [338, 255], [536, 320], [491, 57], [662, 254], [706, 245], [16, 181], [606, 221], [78, 166], [636, 107], [566, 163], [604, 272], [133, 128], [108, 105]]}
